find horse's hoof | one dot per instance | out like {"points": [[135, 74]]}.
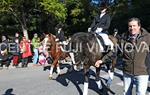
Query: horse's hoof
{"points": [[50, 77]]}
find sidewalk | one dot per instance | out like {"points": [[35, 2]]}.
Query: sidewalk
{"points": [[19, 66]]}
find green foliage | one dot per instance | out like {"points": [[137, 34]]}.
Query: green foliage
{"points": [[18, 14], [56, 8], [6, 5], [79, 15], [124, 10], [76, 15], [75, 12]]}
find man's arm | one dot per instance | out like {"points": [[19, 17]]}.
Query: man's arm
{"points": [[109, 55]]}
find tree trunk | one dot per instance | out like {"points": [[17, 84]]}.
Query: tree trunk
{"points": [[25, 32], [24, 26]]}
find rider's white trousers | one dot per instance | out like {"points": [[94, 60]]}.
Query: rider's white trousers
{"points": [[106, 39]]}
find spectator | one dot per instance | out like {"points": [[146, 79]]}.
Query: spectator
{"points": [[42, 56], [5, 56], [25, 50], [16, 52], [35, 43]]}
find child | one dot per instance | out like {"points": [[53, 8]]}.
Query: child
{"points": [[42, 59], [42, 56]]}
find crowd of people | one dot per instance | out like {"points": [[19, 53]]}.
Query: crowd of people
{"points": [[19, 49]]}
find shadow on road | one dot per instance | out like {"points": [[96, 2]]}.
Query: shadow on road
{"points": [[8, 92], [77, 78]]}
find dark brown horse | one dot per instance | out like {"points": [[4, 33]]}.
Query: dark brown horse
{"points": [[54, 50], [85, 53]]}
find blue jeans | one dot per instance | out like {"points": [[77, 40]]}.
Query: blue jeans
{"points": [[141, 82], [36, 56]]}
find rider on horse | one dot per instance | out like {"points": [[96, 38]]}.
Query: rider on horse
{"points": [[60, 34], [100, 26]]}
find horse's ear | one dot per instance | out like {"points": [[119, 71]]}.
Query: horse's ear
{"points": [[115, 32], [54, 36]]}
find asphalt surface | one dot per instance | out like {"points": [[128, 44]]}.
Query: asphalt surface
{"points": [[34, 81]]}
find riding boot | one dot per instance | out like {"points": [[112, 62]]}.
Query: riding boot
{"points": [[101, 39], [102, 42]]}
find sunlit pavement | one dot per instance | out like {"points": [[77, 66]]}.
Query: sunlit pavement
{"points": [[34, 81]]}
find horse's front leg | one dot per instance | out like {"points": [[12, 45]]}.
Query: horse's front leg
{"points": [[51, 71], [86, 81], [54, 64], [98, 80]]}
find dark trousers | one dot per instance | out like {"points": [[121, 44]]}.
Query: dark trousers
{"points": [[6, 63], [25, 62], [5, 60]]}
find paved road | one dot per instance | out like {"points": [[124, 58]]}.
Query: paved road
{"points": [[34, 81]]}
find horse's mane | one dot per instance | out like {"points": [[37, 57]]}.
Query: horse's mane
{"points": [[88, 54], [52, 35], [82, 37]]}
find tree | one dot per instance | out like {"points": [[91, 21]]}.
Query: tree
{"points": [[20, 10], [140, 9], [55, 8], [125, 9], [79, 15]]}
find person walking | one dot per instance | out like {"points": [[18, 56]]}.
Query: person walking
{"points": [[136, 57]]}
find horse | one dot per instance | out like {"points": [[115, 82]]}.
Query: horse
{"points": [[55, 52], [85, 53]]}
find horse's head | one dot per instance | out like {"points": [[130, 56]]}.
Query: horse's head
{"points": [[48, 42], [50, 38], [113, 39]]}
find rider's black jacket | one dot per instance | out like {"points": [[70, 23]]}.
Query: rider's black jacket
{"points": [[103, 22]]}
